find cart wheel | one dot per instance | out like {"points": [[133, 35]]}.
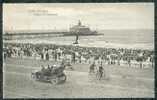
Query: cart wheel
{"points": [[54, 81]]}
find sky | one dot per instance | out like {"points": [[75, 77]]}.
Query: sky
{"points": [[61, 16]]}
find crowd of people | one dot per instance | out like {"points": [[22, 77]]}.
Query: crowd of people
{"points": [[77, 54]]}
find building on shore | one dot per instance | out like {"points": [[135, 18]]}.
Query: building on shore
{"points": [[81, 29]]}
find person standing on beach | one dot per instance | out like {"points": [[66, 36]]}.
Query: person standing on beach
{"points": [[55, 55], [73, 57], [47, 56], [101, 70], [42, 55]]}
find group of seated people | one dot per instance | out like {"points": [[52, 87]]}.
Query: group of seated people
{"points": [[47, 71], [51, 70]]}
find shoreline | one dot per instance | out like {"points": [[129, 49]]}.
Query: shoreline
{"points": [[91, 44]]}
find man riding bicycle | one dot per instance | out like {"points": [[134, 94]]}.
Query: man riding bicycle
{"points": [[100, 70], [92, 68]]}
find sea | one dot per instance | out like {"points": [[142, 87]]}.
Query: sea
{"points": [[130, 39]]}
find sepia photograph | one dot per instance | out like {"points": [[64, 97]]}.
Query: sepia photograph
{"points": [[78, 50]]}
